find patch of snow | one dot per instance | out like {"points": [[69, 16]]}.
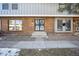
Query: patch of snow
{"points": [[9, 52]]}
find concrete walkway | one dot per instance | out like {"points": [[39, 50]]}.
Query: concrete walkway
{"points": [[54, 41], [39, 44], [46, 44]]}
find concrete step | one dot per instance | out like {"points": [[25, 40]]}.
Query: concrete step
{"points": [[39, 34]]}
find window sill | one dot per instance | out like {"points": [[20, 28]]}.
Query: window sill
{"points": [[15, 31]]}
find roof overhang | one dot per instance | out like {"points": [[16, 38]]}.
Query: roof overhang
{"points": [[39, 15]]}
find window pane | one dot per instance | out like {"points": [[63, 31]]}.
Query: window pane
{"points": [[12, 22], [18, 28], [5, 6], [18, 24], [18, 21], [37, 28], [37, 22], [59, 25], [12, 28], [14, 6], [41, 27], [42, 22], [68, 25]]}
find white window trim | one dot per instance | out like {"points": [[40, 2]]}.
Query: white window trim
{"points": [[55, 27]]}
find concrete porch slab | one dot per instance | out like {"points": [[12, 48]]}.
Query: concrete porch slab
{"points": [[44, 44], [53, 42]]}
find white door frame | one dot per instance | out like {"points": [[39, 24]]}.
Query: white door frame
{"points": [[63, 19]]}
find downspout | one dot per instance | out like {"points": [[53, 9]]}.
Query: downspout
{"points": [[1, 25]]}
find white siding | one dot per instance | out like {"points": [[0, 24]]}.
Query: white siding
{"points": [[32, 9]]}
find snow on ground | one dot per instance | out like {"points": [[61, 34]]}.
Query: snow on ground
{"points": [[9, 52]]}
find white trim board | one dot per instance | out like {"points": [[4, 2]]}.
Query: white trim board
{"points": [[45, 15]]}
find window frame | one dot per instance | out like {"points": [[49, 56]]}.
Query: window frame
{"points": [[5, 6], [15, 25], [63, 22]]}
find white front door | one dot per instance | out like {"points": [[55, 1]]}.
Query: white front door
{"points": [[63, 24]]}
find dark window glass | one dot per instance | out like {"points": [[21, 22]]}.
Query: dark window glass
{"points": [[5, 6], [14, 6]]}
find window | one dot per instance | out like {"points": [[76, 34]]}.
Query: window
{"points": [[5, 6], [61, 5], [14, 6], [63, 24], [15, 25]]}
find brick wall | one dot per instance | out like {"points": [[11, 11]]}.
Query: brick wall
{"points": [[27, 26], [49, 24], [5, 24]]}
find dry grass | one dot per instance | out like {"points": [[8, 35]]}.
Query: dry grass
{"points": [[50, 52]]}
